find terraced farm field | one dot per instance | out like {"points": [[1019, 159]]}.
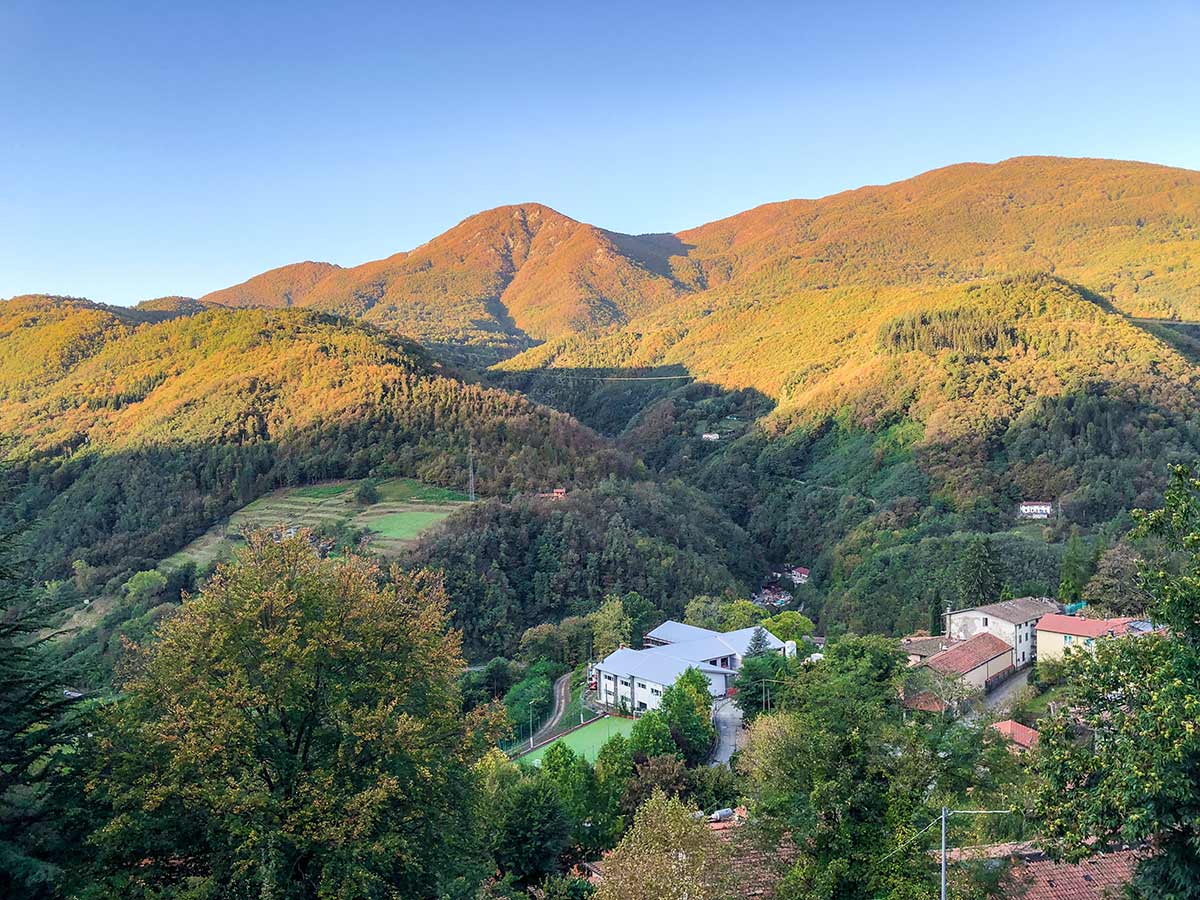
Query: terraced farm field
{"points": [[404, 510]]}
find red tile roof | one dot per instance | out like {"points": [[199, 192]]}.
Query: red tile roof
{"points": [[1101, 876], [1021, 735], [1078, 626], [926, 701], [969, 655]]}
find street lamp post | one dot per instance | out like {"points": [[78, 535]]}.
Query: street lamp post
{"points": [[531, 702]]}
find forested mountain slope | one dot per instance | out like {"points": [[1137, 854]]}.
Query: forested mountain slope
{"points": [[504, 279], [888, 371], [125, 439], [498, 281]]}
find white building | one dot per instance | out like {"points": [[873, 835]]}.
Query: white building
{"points": [[1013, 621], [1035, 509], [637, 678]]}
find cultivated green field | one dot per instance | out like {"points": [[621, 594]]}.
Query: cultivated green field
{"points": [[407, 525], [406, 508], [587, 741]]}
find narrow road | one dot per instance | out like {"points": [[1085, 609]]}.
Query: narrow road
{"points": [[562, 696], [727, 719], [1006, 694]]}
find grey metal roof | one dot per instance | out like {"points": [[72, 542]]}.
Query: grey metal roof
{"points": [[661, 668], [676, 632], [703, 643], [1020, 610]]}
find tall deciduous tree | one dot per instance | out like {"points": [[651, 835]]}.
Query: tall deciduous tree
{"points": [[294, 731], [611, 627], [667, 855], [789, 625], [686, 709], [533, 830], [1119, 762], [651, 736], [1114, 589]]}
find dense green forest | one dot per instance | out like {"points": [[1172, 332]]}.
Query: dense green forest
{"points": [[512, 565]]}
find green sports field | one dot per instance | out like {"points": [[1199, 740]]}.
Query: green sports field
{"points": [[586, 741]]}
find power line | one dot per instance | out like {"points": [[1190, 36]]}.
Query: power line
{"points": [[911, 839]]}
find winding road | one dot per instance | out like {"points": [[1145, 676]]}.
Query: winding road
{"points": [[727, 718], [562, 696]]}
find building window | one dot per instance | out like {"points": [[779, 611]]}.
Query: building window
{"points": [[985, 621], [655, 692], [607, 677], [642, 685], [1066, 639]]}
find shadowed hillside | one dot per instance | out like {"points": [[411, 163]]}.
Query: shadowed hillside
{"points": [[127, 440]]}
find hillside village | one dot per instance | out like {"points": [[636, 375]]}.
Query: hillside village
{"points": [[982, 653]]}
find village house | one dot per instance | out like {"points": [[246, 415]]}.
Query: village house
{"points": [[1013, 621], [1020, 737], [636, 679], [920, 646], [1058, 633], [1033, 876], [977, 662]]}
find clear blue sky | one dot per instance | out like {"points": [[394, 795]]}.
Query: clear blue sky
{"points": [[150, 149]]}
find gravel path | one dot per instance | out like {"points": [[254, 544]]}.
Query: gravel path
{"points": [[562, 696]]}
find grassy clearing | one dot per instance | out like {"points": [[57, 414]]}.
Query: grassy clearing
{"points": [[408, 490], [587, 741], [405, 526], [1039, 706]]}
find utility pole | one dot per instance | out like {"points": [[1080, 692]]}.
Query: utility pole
{"points": [[946, 814], [943, 853], [531, 702], [471, 477]]}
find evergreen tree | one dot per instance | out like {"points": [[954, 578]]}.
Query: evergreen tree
{"points": [[978, 574], [34, 728], [1075, 570], [758, 643]]}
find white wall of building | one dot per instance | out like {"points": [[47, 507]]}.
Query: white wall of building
{"points": [[1021, 637]]}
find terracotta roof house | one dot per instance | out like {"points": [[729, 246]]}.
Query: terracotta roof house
{"points": [[1022, 736], [1057, 633], [1013, 621], [978, 661], [1100, 877], [921, 646], [925, 701]]}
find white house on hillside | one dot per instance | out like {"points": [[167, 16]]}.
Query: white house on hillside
{"points": [[637, 678]]}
